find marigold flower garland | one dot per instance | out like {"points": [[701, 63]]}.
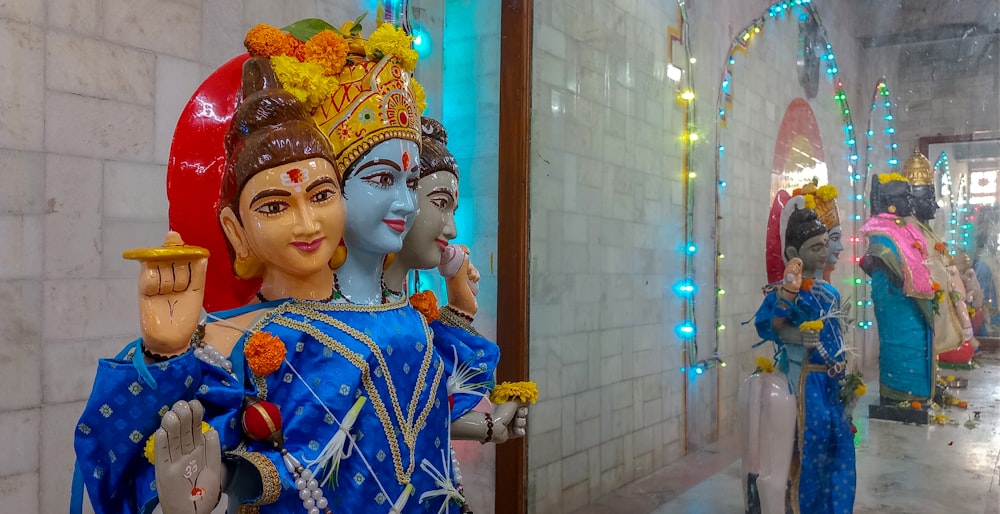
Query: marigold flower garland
{"points": [[827, 193], [524, 392], [264, 353], [764, 365], [309, 55], [814, 326], [426, 303], [885, 178]]}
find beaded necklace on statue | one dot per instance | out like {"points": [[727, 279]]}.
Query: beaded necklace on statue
{"points": [[338, 296]]}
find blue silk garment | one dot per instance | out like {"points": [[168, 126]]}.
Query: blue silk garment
{"points": [[470, 355], [124, 410], [827, 477], [336, 353], [905, 332]]}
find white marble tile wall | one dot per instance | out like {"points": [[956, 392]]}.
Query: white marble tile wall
{"points": [[606, 228], [605, 218], [91, 93]]}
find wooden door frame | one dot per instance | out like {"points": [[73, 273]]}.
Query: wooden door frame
{"points": [[510, 495]]}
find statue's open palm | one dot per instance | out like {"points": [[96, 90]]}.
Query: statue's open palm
{"points": [[171, 293], [188, 462]]}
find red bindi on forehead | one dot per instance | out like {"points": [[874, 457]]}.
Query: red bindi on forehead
{"points": [[295, 176], [406, 161]]}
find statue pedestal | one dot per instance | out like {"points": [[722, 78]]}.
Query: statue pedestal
{"points": [[891, 411]]}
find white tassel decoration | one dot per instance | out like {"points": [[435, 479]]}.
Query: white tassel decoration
{"points": [[329, 459]]}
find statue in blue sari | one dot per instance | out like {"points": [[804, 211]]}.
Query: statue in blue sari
{"points": [[802, 317], [325, 393]]}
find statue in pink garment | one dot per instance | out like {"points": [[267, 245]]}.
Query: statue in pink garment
{"points": [[953, 335]]}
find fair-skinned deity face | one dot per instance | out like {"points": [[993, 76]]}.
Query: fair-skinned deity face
{"points": [[437, 198], [291, 217], [380, 195], [835, 246], [814, 253]]}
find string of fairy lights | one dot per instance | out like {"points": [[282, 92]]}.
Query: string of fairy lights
{"points": [[801, 10], [960, 229], [686, 289], [880, 111]]}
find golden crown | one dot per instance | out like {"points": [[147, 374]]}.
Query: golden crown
{"points": [[824, 201], [373, 103], [360, 91], [917, 169]]}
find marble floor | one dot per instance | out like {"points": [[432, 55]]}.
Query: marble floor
{"points": [[901, 468]]}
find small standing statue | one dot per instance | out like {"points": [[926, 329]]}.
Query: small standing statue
{"points": [[903, 293], [952, 326], [801, 315]]}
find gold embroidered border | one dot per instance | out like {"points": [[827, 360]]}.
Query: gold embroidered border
{"points": [[448, 317], [270, 481]]}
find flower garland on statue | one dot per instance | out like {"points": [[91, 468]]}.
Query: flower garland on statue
{"points": [[309, 55], [426, 303]]}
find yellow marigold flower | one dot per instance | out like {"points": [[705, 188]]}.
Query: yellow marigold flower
{"points": [[306, 81], [329, 50], [266, 41], [827, 193], [861, 389], [264, 353], [389, 40], [419, 96], [524, 392], [810, 202], [815, 326], [885, 178], [150, 449], [764, 365], [426, 303]]}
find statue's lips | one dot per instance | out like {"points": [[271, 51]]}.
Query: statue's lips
{"points": [[395, 224], [441, 243], [310, 246]]}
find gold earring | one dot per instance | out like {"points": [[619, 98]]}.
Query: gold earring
{"points": [[248, 267], [388, 261], [339, 256], [892, 209]]}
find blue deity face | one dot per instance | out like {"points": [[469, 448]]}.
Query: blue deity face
{"points": [[380, 196]]}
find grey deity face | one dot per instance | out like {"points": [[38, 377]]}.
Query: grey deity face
{"points": [[925, 203], [835, 245], [814, 253]]}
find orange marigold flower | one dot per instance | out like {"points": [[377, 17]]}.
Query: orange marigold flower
{"points": [[940, 246], [266, 41], [917, 245], [426, 303], [807, 284], [329, 50], [264, 353], [296, 48], [935, 285], [916, 405]]}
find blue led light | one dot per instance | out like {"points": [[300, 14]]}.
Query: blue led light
{"points": [[691, 249]]}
